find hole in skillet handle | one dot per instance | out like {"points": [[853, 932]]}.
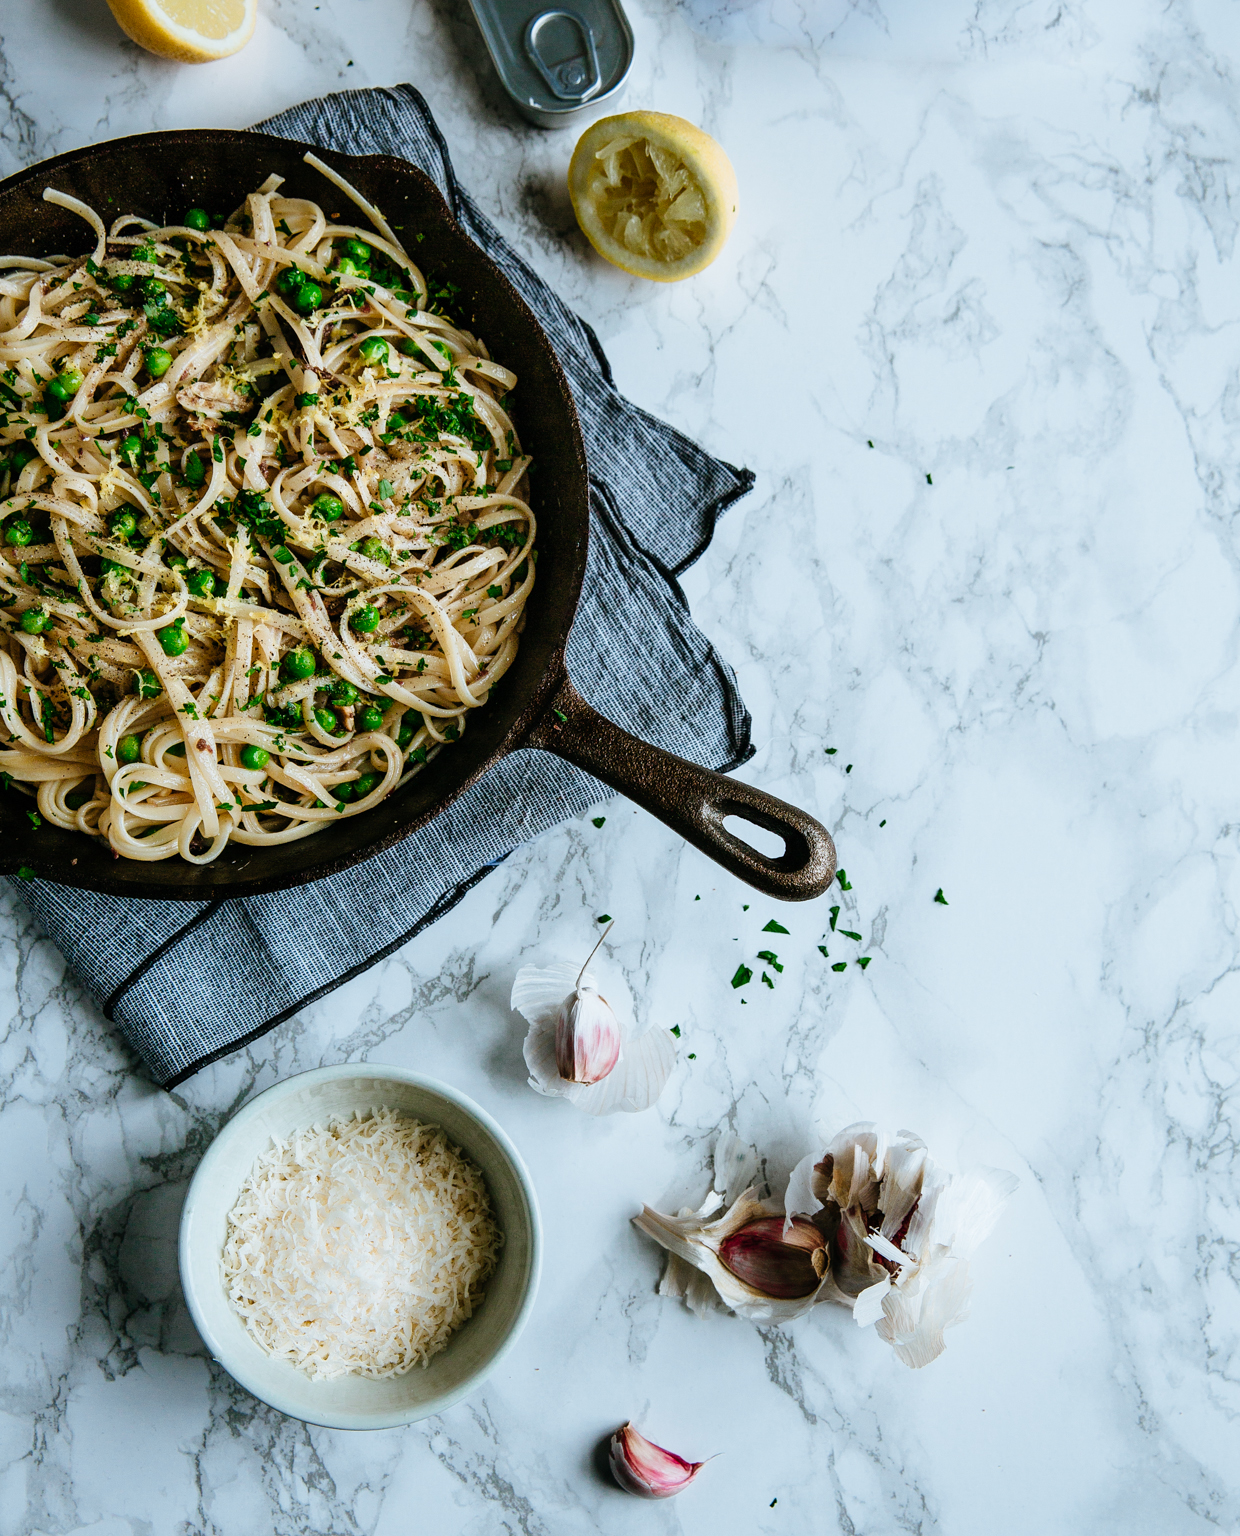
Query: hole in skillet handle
{"points": [[771, 845]]}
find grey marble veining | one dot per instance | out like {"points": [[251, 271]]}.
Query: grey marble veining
{"points": [[995, 240]]}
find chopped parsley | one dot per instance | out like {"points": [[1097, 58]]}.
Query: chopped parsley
{"points": [[771, 958], [603, 917], [743, 975], [940, 898], [774, 927], [840, 965], [676, 1030], [849, 934], [598, 820], [843, 879]]}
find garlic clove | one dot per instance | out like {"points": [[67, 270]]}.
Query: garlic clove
{"points": [[646, 1469], [697, 1241], [587, 1037], [777, 1265], [634, 1083]]}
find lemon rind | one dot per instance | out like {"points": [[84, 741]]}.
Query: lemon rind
{"points": [[704, 158], [157, 33]]}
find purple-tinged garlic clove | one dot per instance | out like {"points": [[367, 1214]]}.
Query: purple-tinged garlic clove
{"points": [[783, 1260], [646, 1469], [587, 1037]]}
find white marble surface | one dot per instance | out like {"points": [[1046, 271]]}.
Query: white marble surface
{"points": [[997, 238]]}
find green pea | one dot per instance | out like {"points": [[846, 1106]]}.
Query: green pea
{"points": [[65, 385], [106, 567], [410, 725], [374, 350], [154, 292], [342, 692], [369, 717], [375, 549], [195, 470], [298, 664], [347, 268], [129, 749], [197, 218], [146, 685], [408, 346], [366, 784], [290, 281], [35, 621], [18, 532], [122, 282], [21, 456], [307, 298], [357, 250], [366, 619], [327, 721], [131, 447], [173, 639], [327, 507], [158, 362], [202, 583], [144, 253], [254, 757], [346, 791], [122, 525]]}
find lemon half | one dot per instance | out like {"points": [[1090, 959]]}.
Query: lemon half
{"points": [[193, 31], [653, 194]]}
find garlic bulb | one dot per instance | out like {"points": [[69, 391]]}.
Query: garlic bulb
{"points": [[578, 1048], [749, 1258], [646, 1469], [899, 1233]]}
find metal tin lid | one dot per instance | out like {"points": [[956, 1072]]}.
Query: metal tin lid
{"points": [[557, 61]]}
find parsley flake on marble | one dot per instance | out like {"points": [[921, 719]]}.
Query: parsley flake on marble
{"points": [[940, 898], [743, 975], [774, 927]]}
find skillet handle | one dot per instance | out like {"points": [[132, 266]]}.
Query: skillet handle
{"points": [[691, 800]]}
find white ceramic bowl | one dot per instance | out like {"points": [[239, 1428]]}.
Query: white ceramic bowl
{"points": [[475, 1349]]}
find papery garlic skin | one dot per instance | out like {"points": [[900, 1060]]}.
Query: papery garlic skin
{"points": [[637, 1078], [587, 1037], [696, 1240], [899, 1233], [647, 1470]]}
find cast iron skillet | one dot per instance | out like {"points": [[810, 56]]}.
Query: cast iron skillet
{"points": [[159, 175]]}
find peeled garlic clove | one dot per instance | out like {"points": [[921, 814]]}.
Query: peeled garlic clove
{"points": [[587, 1037], [785, 1267], [646, 1469]]}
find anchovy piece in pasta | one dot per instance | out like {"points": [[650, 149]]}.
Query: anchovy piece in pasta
{"points": [[266, 539]]}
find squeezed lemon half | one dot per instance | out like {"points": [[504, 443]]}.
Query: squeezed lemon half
{"points": [[193, 31], [653, 194]]}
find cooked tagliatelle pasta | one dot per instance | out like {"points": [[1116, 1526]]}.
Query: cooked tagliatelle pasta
{"points": [[266, 537]]}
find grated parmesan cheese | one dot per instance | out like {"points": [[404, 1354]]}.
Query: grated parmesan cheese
{"points": [[359, 1246]]}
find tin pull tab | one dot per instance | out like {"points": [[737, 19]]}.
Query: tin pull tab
{"points": [[561, 47]]}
